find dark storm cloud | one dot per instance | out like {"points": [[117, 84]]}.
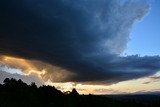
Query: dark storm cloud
{"points": [[85, 37]]}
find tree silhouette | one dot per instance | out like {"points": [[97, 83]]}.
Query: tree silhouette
{"points": [[15, 93], [33, 85], [74, 92]]}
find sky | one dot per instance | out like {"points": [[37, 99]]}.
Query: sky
{"points": [[98, 47], [148, 29]]}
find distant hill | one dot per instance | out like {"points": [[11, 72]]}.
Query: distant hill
{"points": [[148, 93], [16, 93]]}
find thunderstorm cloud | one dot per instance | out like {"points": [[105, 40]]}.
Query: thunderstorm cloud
{"points": [[83, 37]]}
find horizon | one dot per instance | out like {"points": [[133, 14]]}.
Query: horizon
{"points": [[97, 47]]}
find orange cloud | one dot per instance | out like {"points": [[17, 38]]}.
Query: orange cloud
{"points": [[53, 75], [44, 71]]}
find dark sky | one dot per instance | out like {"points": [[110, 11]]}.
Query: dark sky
{"points": [[85, 37]]}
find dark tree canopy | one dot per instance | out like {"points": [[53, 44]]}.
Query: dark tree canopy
{"points": [[16, 93], [74, 92]]}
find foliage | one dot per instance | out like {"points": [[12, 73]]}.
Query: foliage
{"points": [[15, 93]]}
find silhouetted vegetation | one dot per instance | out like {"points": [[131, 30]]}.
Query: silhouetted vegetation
{"points": [[16, 93]]}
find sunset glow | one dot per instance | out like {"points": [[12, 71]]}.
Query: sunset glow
{"points": [[146, 84]]}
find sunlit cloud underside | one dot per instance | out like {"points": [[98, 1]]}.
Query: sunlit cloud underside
{"points": [[28, 71]]}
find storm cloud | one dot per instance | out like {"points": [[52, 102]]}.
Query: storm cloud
{"points": [[85, 37]]}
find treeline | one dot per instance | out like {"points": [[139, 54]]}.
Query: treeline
{"points": [[16, 93]]}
